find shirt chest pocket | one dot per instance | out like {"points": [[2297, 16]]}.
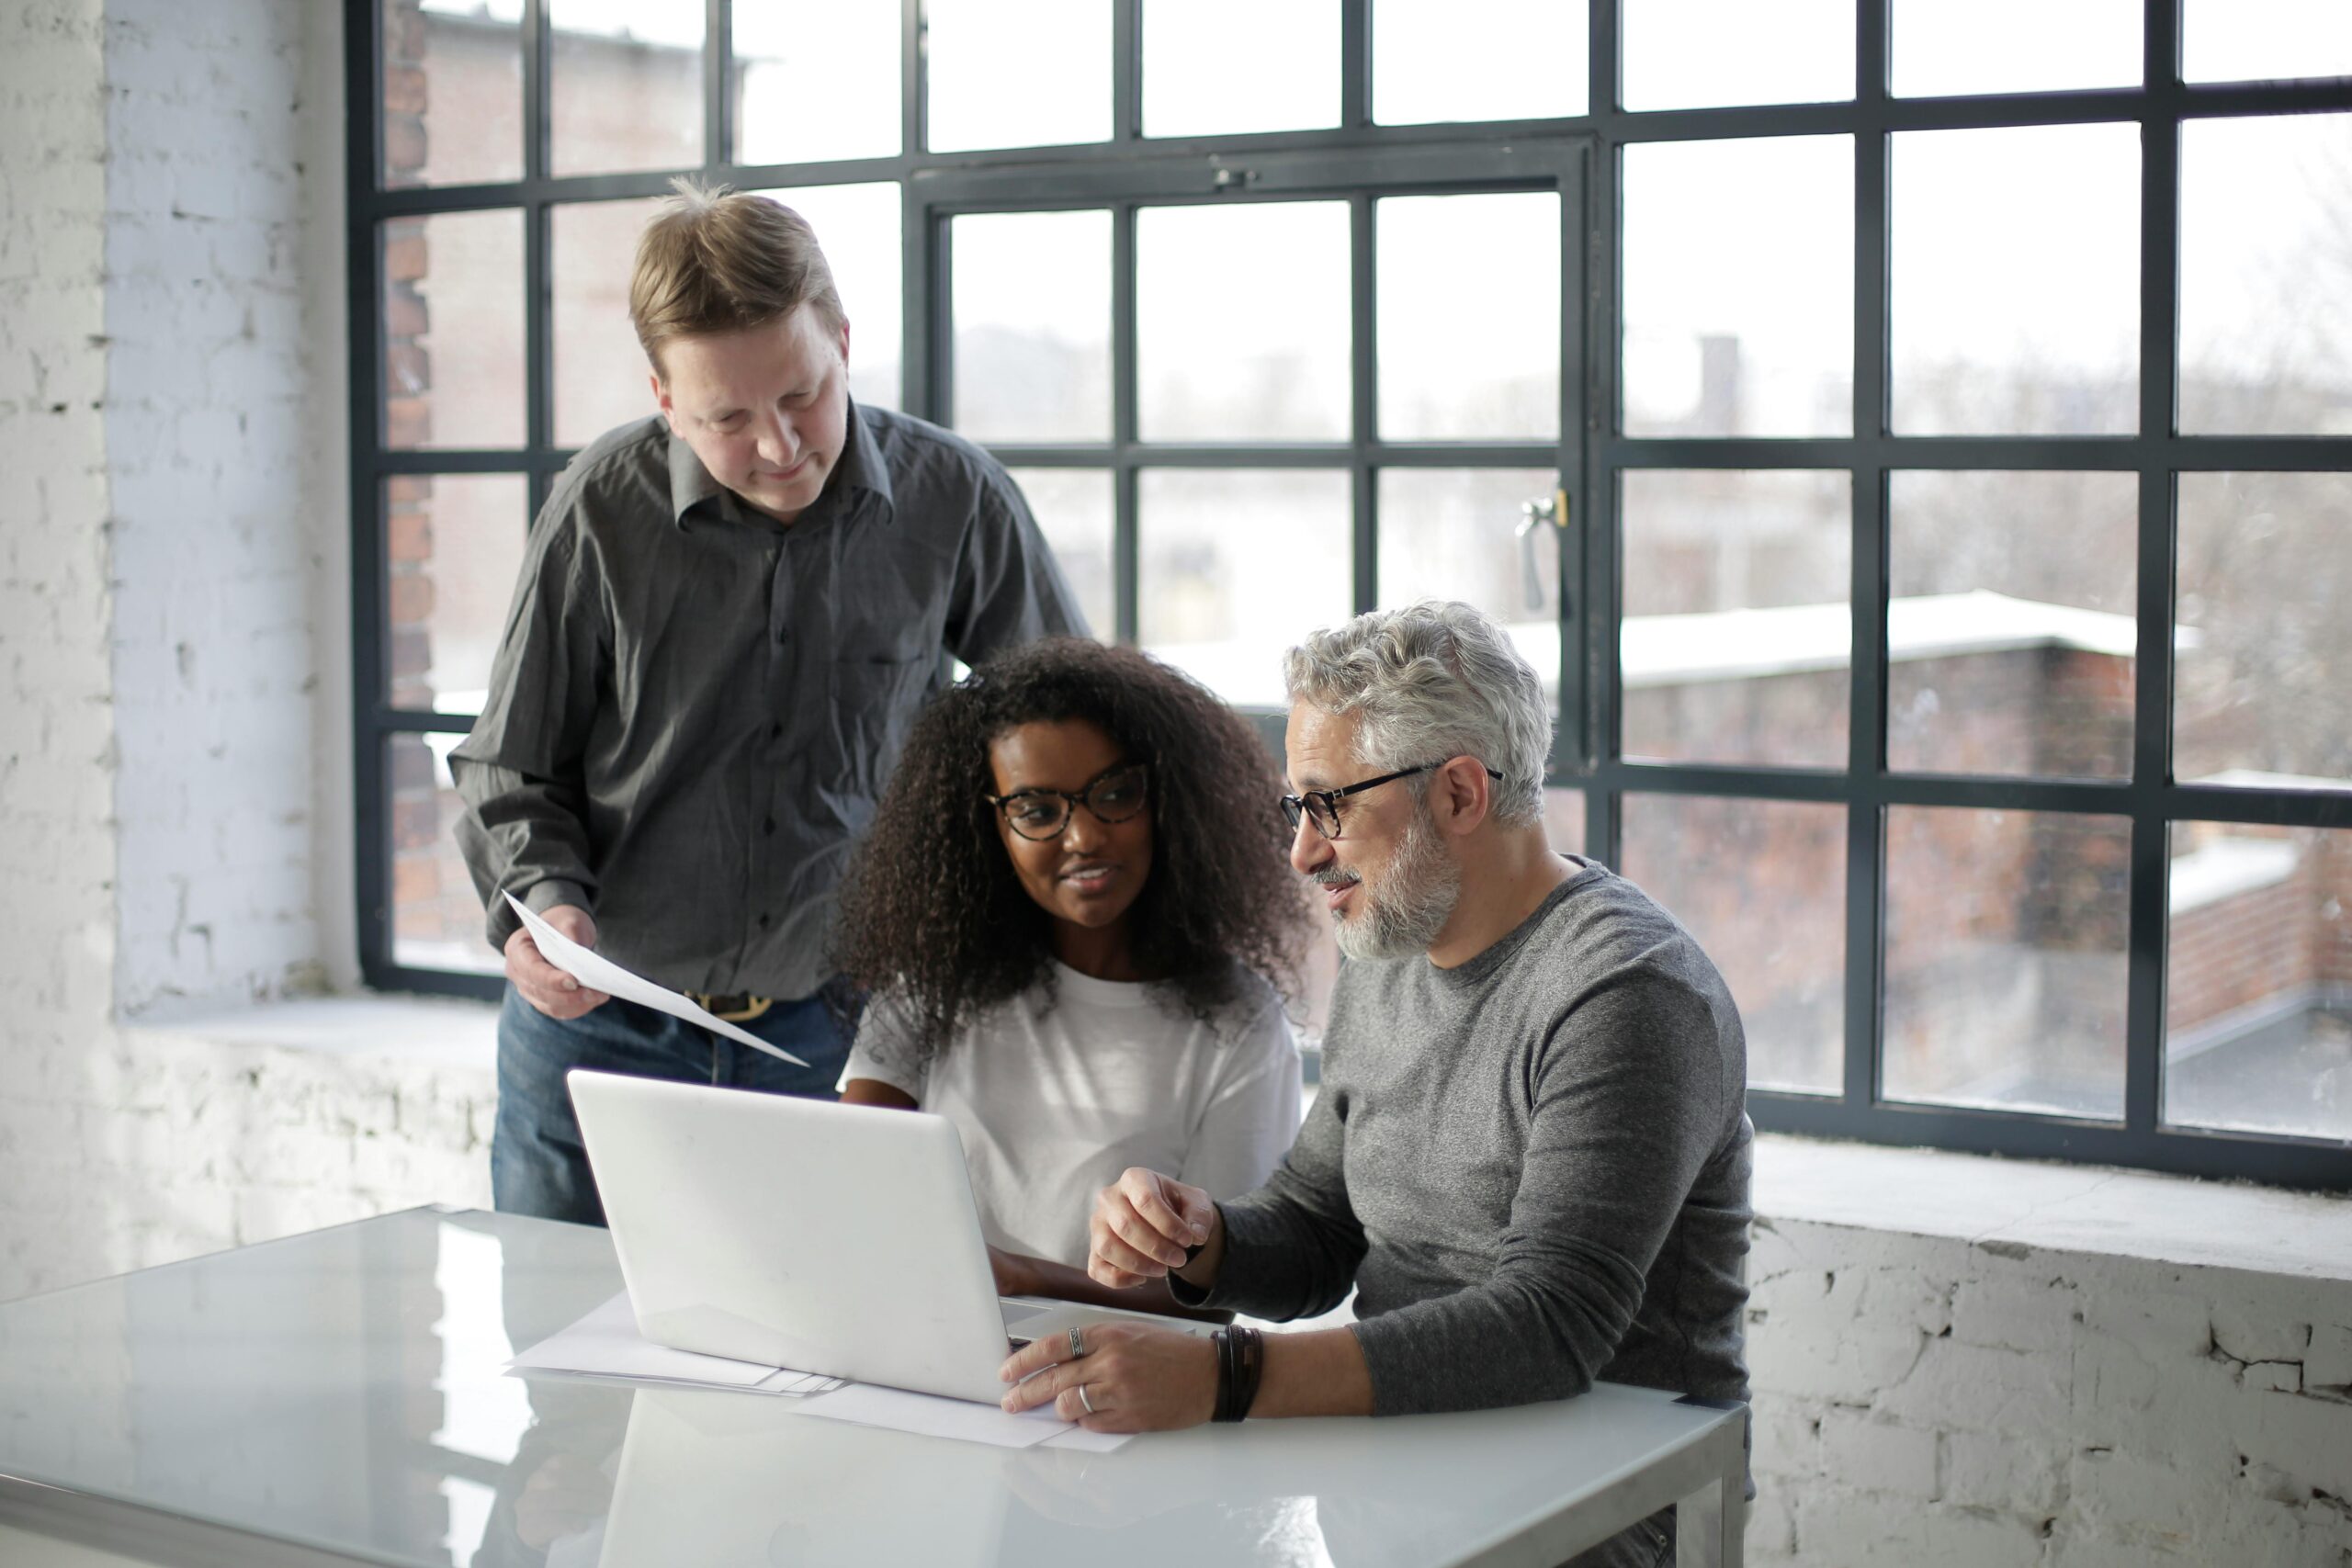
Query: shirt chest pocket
{"points": [[874, 700]]}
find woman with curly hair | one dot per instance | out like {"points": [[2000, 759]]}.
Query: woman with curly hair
{"points": [[1074, 909]]}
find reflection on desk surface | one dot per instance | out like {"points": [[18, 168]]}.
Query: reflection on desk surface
{"points": [[344, 1388]]}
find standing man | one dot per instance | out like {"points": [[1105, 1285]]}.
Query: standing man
{"points": [[729, 614], [1529, 1153]]}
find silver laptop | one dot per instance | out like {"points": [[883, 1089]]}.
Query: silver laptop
{"points": [[840, 1240]]}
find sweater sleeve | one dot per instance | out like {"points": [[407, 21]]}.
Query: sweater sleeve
{"points": [[1624, 1093], [1291, 1246]]}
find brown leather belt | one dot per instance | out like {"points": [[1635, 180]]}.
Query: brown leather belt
{"points": [[736, 1009]]}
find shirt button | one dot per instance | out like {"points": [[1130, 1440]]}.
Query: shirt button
{"points": [[775, 731], [768, 825], [764, 922], [783, 633]]}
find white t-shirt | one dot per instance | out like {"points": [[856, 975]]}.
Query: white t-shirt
{"points": [[1053, 1100]]}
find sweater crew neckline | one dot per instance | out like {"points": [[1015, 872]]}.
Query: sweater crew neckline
{"points": [[1479, 968]]}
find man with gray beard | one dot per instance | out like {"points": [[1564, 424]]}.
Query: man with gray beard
{"points": [[1530, 1154]]}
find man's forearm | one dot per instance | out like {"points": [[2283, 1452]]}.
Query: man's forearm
{"points": [[1318, 1373], [1201, 1272]]}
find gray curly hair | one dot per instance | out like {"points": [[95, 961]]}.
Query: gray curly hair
{"points": [[1434, 680]]}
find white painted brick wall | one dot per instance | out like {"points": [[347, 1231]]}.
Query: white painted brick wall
{"points": [[208, 420], [171, 479], [1924, 1400], [57, 851]]}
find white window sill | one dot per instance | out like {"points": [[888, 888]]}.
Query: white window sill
{"points": [[2043, 1207], [434, 1031], [2002, 1203]]}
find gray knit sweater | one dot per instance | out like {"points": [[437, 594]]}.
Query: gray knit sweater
{"points": [[1534, 1167]]}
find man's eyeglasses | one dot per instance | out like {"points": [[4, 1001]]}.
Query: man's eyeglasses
{"points": [[1114, 795], [1321, 806]]}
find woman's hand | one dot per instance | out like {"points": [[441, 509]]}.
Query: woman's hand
{"points": [[1142, 1225], [1130, 1378]]}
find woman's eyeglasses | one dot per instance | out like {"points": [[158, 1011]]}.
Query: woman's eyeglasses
{"points": [[1114, 795]]}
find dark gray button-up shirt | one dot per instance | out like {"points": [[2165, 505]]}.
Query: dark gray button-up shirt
{"points": [[695, 707]]}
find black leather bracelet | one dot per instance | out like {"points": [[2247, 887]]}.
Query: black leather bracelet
{"points": [[1250, 1365], [1223, 1340]]}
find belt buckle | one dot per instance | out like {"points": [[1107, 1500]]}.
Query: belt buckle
{"points": [[739, 1007]]}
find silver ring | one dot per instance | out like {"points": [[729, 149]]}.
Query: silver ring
{"points": [[1077, 1342], [1081, 1393]]}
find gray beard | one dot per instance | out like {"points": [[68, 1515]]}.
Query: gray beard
{"points": [[1415, 898]]}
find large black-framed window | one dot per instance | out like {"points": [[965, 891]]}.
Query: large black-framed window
{"points": [[1975, 710]]}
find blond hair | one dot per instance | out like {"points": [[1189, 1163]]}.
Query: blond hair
{"points": [[716, 259]]}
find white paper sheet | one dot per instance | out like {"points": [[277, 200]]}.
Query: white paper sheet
{"points": [[598, 973], [868, 1404], [605, 1343]]}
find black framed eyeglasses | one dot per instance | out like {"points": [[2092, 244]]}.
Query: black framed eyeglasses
{"points": [[1321, 806], [1114, 795]]}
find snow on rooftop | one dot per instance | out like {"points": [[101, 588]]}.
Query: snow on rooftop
{"points": [[1738, 645], [2228, 868]]}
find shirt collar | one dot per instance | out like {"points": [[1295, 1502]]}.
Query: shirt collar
{"points": [[862, 467]]}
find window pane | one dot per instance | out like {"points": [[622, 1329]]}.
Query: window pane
{"points": [[453, 544], [453, 92], [436, 920], [1237, 566], [1216, 67], [1738, 631], [1469, 317], [858, 227], [813, 81], [1762, 348], [600, 369], [1564, 819], [1016, 73], [624, 86], [1688, 54], [2251, 40], [2011, 638], [1074, 510], [1435, 60], [1944, 47], [1256, 353], [1033, 326], [1777, 930], [453, 330], [2015, 257], [1463, 533], [2259, 693], [2258, 980], [2265, 275], [2006, 959]]}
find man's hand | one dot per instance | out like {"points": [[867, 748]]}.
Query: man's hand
{"points": [[1142, 1225], [1137, 1378], [543, 984]]}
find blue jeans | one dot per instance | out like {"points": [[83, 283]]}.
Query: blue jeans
{"points": [[536, 1166]]}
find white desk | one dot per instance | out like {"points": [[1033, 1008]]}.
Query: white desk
{"points": [[336, 1398]]}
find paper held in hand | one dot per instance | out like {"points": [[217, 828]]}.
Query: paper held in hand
{"points": [[601, 974]]}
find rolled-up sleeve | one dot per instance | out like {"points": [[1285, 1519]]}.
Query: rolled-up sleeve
{"points": [[524, 829]]}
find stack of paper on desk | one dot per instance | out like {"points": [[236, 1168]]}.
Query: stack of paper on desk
{"points": [[606, 1343]]}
